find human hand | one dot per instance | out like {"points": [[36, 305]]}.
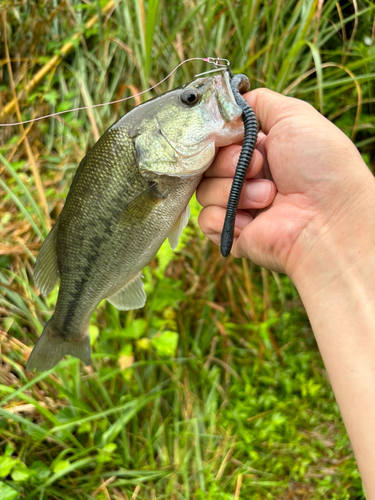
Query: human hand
{"points": [[320, 182]]}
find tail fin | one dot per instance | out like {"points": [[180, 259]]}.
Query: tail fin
{"points": [[52, 346]]}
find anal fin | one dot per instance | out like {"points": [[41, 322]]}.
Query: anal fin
{"points": [[46, 271], [131, 296], [180, 224]]}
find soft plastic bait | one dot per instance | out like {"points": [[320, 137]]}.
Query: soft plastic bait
{"points": [[239, 84]]}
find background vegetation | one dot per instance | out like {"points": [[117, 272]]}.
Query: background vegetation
{"points": [[216, 389]]}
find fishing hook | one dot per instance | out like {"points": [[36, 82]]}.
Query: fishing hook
{"points": [[219, 66]]}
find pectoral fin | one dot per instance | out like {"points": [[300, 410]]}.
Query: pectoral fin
{"points": [[46, 271], [132, 296], [180, 224], [140, 207]]}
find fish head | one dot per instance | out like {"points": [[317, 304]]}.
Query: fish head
{"points": [[180, 131], [201, 112]]}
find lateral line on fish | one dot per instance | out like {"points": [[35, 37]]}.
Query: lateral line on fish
{"points": [[216, 61]]}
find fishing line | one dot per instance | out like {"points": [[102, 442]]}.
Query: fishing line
{"points": [[216, 61]]}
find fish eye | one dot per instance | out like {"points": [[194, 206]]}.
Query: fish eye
{"points": [[190, 96]]}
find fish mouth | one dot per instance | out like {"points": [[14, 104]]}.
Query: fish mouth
{"points": [[228, 87]]}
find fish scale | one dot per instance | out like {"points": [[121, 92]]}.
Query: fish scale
{"points": [[88, 223]]}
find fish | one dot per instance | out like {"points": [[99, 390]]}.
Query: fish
{"points": [[129, 194]]}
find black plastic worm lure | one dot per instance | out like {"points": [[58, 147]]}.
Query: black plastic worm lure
{"points": [[239, 84]]}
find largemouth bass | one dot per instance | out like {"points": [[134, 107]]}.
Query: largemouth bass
{"points": [[130, 193]]}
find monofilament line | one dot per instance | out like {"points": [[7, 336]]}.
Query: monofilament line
{"points": [[211, 60]]}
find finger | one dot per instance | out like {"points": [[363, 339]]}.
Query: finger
{"points": [[226, 162], [256, 193], [270, 107], [211, 220], [260, 140], [265, 173]]}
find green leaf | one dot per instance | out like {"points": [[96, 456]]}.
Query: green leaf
{"points": [[106, 452], [164, 256], [109, 448], [52, 97], [34, 432], [41, 471], [85, 427], [6, 465], [168, 294], [319, 72], [151, 22], [64, 106], [94, 333], [9, 449], [20, 473], [60, 466], [166, 343], [135, 330], [6, 492]]}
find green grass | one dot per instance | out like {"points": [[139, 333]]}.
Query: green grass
{"points": [[216, 389]]}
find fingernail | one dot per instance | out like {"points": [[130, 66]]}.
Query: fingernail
{"points": [[258, 191], [235, 159]]}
